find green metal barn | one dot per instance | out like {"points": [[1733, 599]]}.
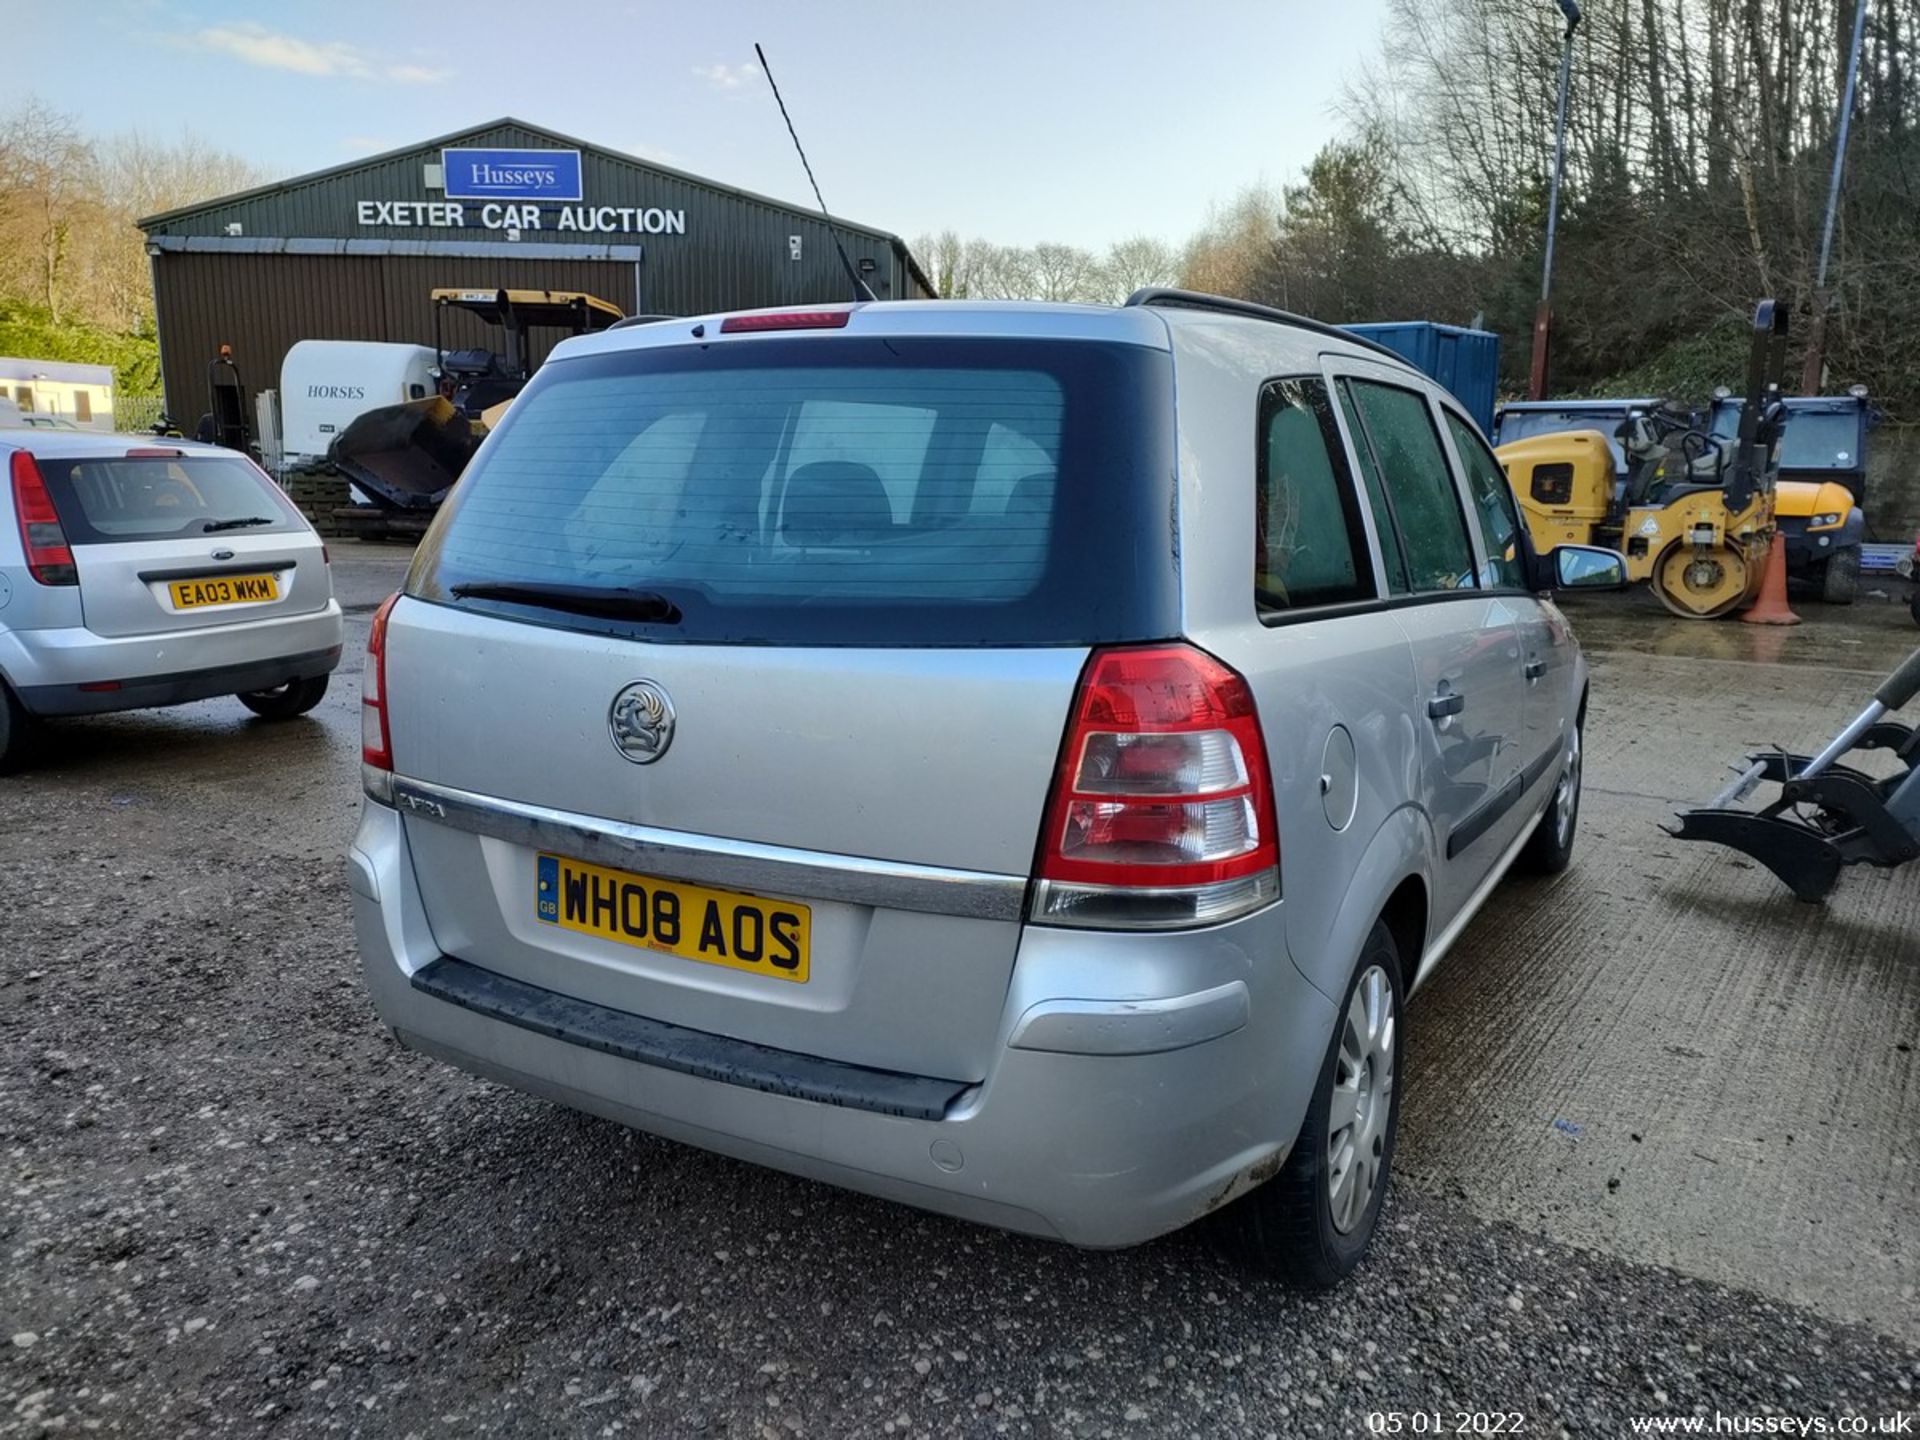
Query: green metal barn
{"points": [[353, 252]]}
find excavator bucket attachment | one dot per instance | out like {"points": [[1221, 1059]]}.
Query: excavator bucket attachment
{"points": [[407, 456], [1826, 815]]}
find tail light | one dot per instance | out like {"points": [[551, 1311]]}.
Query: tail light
{"points": [[49, 557], [376, 742], [1162, 811]]}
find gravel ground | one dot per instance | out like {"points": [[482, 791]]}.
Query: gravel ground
{"points": [[234, 1205], [231, 1204]]}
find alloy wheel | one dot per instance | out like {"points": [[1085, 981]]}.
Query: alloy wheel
{"points": [[1362, 1101]]}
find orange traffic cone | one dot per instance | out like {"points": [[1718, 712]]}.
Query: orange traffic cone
{"points": [[1772, 608]]}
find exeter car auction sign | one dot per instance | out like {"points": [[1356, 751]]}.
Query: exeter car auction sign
{"points": [[511, 174]]}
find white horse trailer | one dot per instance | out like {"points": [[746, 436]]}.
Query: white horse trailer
{"points": [[325, 385]]}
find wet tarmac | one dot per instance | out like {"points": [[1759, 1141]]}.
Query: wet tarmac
{"points": [[1662, 1052]]}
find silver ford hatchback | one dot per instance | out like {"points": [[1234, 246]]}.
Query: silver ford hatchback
{"points": [[1013, 759], [137, 572]]}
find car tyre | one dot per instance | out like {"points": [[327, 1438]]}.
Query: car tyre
{"points": [[1549, 850], [283, 702], [1311, 1223], [19, 732], [1913, 605], [1840, 576]]}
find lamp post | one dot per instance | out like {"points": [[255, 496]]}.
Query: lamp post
{"points": [[1817, 332], [1543, 316]]}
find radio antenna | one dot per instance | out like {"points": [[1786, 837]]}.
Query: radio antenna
{"points": [[861, 290]]}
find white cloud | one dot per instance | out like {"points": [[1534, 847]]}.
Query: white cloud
{"points": [[728, 77], [416, 74], [255, 44]]}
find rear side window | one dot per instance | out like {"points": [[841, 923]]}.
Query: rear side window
{"points": [[162, 497], [1396, 428], [1309, 544], [833, 491]]}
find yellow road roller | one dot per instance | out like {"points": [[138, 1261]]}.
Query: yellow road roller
{"points": [[1695, 515]]}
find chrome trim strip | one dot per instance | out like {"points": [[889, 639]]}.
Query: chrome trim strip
{"points": [[709, 860]]}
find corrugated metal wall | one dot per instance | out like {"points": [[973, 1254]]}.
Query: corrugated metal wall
{"points": [[262, 304]]}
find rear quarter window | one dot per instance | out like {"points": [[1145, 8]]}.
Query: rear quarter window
{"points": [[1310, 546], [836, 491]]}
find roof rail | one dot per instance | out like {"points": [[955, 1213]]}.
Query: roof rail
{"points": [[1198, 300]]}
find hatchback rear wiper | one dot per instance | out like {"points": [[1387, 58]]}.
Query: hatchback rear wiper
{"points": [[613, 604], [213, 525]]}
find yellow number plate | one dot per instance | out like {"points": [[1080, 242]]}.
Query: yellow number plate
{"points": [[720, 927], [223, 590]]}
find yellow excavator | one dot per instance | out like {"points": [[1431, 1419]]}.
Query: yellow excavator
{"points": [[1695, 516]]}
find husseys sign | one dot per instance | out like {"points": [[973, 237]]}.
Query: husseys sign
{"points": [[517, 190], [511, 174]]}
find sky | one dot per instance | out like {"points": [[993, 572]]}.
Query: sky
{"points": [[1017, 120]]}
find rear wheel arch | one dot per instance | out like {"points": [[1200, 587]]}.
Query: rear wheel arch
{"points": [[1405, 916], [19, 731], [1392, 874]]}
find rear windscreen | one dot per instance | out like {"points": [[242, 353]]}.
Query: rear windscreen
{"points": [[833, 491], [162, 497]]}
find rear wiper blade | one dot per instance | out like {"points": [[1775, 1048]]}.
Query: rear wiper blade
{"points": [[613, 604], [213, 525]]}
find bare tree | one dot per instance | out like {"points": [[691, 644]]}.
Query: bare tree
{"points": [[68, 241], [48, 186], [1225, 256], [1135, 263]]}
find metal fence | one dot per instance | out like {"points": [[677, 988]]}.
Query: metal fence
{"points": [[136, 414]]}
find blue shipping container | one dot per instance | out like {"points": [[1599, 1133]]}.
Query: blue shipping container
{"points": [[1466, 361]]}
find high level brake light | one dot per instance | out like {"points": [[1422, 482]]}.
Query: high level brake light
{"points": [[49, 556], [786, 320], [376, 742], [1162, 811]]}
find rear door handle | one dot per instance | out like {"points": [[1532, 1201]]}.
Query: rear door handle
{"points": [[1535, 669], [1445, 704]]}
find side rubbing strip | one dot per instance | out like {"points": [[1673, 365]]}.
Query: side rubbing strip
{"points": [[1488, 815], [691, 1052]]}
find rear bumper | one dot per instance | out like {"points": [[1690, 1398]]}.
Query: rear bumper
{"points": [[145, 693], [47, 668], [1103, 1121]]}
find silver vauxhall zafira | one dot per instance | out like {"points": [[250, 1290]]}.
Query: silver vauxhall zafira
{"points": [[1012, 759]]}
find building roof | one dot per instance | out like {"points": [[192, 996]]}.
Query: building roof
{"points": [[67, 372], [508, 122]]}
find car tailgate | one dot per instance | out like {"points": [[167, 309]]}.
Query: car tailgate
{"points": [[145, 587], [893, 794]]}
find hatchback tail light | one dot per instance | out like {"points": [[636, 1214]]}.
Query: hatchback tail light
{"points": [[376, 743], [49, 557], [1162, 810]]}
